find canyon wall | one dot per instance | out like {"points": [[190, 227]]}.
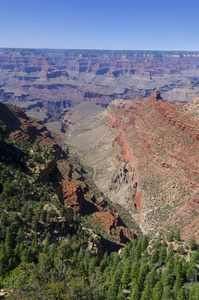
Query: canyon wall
{"points": [[47, 82], [72, 186], [159, 141]]}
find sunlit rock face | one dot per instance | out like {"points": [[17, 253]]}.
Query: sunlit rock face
{"points": [[159, 141], [47, 82]]}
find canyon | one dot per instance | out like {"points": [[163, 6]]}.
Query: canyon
{"points": [[74, 187], [46, 82], [129, 119], [145, 155]]}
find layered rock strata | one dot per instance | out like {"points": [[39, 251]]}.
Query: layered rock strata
{"points": [[71, 186], [160, 142]]}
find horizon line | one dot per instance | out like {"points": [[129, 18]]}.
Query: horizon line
{"points": [[95, 49]]}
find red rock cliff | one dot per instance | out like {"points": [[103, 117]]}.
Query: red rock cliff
{"points": [[160, 141]]}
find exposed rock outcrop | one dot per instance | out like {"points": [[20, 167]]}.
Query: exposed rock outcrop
{"points": [[67, 177], [64, 78], [159, 141]]}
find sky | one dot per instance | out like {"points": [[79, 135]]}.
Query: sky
{"points": [[100, 24]]}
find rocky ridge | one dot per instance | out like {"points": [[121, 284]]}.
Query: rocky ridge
{"points": [[45, 83], [71, 186], [159, 141]]}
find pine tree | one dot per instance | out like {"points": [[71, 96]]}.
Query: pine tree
{"points": [[177, 286], [121, 296], [103, 264], [9, 242], [167, 276], [193, 245], [177, 267], [170, 254], [115, 283], [142, 275], [3, 260], [151, 278], [181, 295], [126, 273], [44, 263], [92, 264], [26, 256], [115, 261], [87, 259], [135, 294], [137, 251], [144, 243], [166, 295], [4, 219], [147, 293], [134, 271], [194, 293], [157, 291], [162, 256], [155, 256], [170, 236], [20, 235], [178, 235]]}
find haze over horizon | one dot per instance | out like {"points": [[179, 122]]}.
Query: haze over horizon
{"points": [[102, 25]]}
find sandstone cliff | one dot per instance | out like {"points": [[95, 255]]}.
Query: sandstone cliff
{"points": [[160, 142], [47, 82]]}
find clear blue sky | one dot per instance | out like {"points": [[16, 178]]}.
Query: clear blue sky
{"points": [[100, 24]]}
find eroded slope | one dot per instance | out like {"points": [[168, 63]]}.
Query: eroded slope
{"points": [[160, 142], [72, 184]]}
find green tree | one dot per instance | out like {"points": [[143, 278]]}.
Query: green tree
{"points": [[93, 263], [115, 261], [142, 275], [4, 219], [155, 256], [181, 295], [137, 251], [135, 294], [20, 235], [26, 256], [162, 256], [9, 242], [104, 262], [87, 259], [192, 243], [3, 260], [167, 276], [126, 273], [134, 271], [157, 291], [177, 267], [121, 296], [178, 235], [147, 293], [177, 286], [151, 278], [144, 242], [170, 236], [170, 254], [194, 293], [43, 216], [166, 295], [115, 283], [44, 264]]}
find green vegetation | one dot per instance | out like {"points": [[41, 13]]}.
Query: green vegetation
{"points": [[43, 257]]}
